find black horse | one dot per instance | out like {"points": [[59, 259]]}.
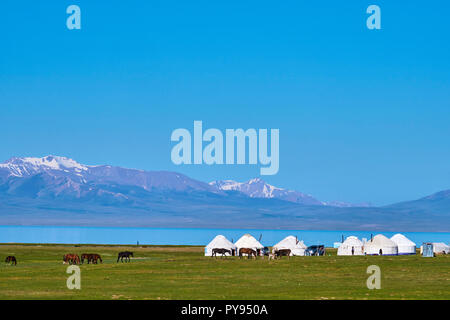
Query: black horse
{"points": [[11, 259], [223, 252], [126, 255]]}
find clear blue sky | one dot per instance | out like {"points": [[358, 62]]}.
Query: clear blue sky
{"points": [[363, 115]]}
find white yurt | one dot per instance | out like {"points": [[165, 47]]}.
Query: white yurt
{"points": [[219, 242], [440, 248], [247, 241], [405, 246], [351, 246], [291, 242], [380, 245]]}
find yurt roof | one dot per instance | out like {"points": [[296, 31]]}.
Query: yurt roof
{"points": [[401, 240], [248, 241], [301, 244], [440, 245], [353, 241], [290, 242], [221, 241], [382, 241]]}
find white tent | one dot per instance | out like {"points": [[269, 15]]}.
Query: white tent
{"points": [[247, 241], [405, 246], [219, 242], [291, 242], [441, 248], [351, 246], [380, 245]]}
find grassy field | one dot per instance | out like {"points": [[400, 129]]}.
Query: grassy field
{"points": [[184, 273]]}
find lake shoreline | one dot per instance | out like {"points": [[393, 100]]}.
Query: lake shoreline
{"points": [[186, 236]]}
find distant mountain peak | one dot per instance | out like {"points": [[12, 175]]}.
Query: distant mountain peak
{"points": [[445, 194], [256, 180], [54, 162], [62, 175], [258, 188], [27, 166], [60, 190]]}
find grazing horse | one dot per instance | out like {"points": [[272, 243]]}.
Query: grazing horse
{"points": [[85, 256], [126, 255], [91, 258], [71, 259], [95, 257], [249, 252], [11, 259], [223, 252], [283, 252]]}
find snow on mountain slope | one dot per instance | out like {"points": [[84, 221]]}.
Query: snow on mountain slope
{"points": [[257, 188], [21, 167], [56, 176], [60, 176]]}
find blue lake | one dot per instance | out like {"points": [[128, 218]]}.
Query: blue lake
{"points": [[172, 236]]}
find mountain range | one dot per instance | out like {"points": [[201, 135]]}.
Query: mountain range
{"points": [[56, 190]]}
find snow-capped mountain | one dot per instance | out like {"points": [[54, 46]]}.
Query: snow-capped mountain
{"points": [[28, 166], [54, 176], [257, 188], [56, 190]]}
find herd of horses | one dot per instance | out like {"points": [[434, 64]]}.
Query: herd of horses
{"points": [[251, 253], [11, 260], [90, 258], [71, 258], [93, 258]]}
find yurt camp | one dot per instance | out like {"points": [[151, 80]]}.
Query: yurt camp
{"points": [[405, 246], [352, 246], [247, 241], [380, 245], [220, 242], [290, 242]]}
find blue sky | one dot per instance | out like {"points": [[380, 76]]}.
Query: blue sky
{"points": [[363, 114]]}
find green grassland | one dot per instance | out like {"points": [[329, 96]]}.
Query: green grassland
{"points": [[169, 272]]}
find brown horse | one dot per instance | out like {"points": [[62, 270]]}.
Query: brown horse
{"points": [[249, 252], [85, 256], [11, 259], [223, 252], [283, 252], [71, 259], [91, 258], [95, 257]]}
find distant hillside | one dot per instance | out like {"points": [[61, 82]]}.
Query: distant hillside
{"points": [[59, 191]]}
